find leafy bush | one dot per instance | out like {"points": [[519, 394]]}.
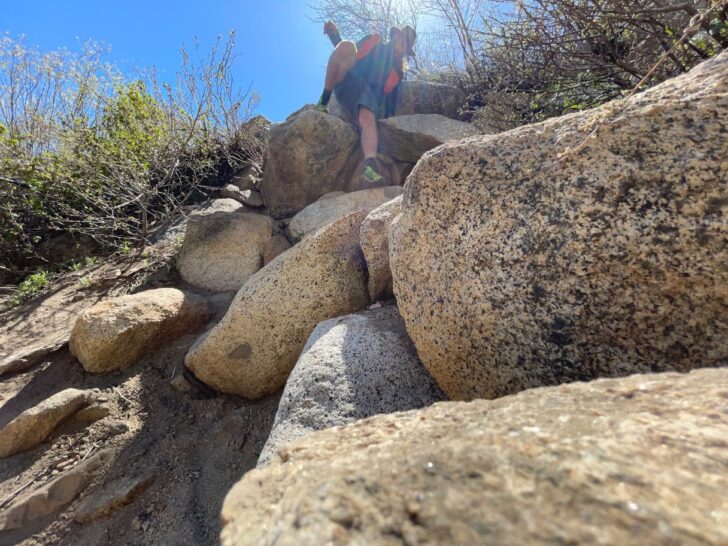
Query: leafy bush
{"points": [[32, 285], [85, 151]]}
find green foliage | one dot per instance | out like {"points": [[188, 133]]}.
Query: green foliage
{"points": [[86, 153], [86, 262], [133, 125], [126, 248], [32, 285]]}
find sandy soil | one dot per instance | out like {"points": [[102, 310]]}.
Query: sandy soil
{"points": [[195, 445]]}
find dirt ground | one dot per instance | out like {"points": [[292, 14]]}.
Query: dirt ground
{"points": [[196, 445], [197, 448]]}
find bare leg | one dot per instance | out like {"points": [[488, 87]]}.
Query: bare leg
{"points": [[341, 61], [369, 137]]}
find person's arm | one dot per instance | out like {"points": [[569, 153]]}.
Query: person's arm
{"points": [[332, 32], [391, 98], [390, 103]]}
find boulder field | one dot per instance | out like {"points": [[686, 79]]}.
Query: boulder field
{"points": [[537, 278]]}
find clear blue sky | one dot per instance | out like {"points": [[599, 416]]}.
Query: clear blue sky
{"points": [[282, 52]]}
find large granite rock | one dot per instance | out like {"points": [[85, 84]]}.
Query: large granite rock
{"points": [[516, 267], [374, 241], [309, 154], [352, 367], [324, 211], [407, 138], [115, 333], [255, 346], [34, 425], [223, 245], [638, 460], [421, 97], [417, 97]]}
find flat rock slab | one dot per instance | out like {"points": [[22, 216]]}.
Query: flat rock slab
{"points": [[28, 357], [352, 367], [34, 425], [637, 460], [407, 138], [223, 245], [254, 347], [115, 333], [55, 495], [324, 211], [111, 496], [515, 266]]}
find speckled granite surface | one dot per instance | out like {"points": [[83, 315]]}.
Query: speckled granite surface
{"points": [[637, 460], [514, 267]]}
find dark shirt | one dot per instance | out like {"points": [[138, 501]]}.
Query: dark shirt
{"points": [[378, 66]]}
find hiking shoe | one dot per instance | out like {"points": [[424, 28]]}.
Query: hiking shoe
{"points": [[322, 108], [371, 175]]}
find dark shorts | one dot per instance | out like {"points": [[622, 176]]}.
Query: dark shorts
{"points": [[355, 91]]}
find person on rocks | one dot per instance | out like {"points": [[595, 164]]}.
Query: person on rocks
{"points": [[365, 77]]}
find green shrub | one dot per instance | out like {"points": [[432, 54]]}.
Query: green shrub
{"points": [[88, 153], [32, 285]]}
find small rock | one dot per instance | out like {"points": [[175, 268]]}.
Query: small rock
{"points": [[247, 178], [115, 428], [110, 497], [223, 245], [94, 412], [252, 198], [232, 192], [34, 425], [28, 357], [422, 97], [179, 383], [114, 334], [407, 138], [55, 495]]}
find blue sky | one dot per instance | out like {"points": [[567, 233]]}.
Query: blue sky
{"points": [[282, 52]]}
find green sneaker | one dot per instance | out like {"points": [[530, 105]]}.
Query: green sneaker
{"points": [[371, 175], [322, 108]]}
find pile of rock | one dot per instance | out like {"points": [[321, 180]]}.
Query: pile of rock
{"points": [[579, 248]]}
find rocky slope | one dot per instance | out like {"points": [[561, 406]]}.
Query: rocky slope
{"points": [[513, 266]]}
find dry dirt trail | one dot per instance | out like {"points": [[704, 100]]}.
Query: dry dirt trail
{"points": [[191, 447]]}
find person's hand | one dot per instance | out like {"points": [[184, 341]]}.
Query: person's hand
{"points": [[330, 28]]}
